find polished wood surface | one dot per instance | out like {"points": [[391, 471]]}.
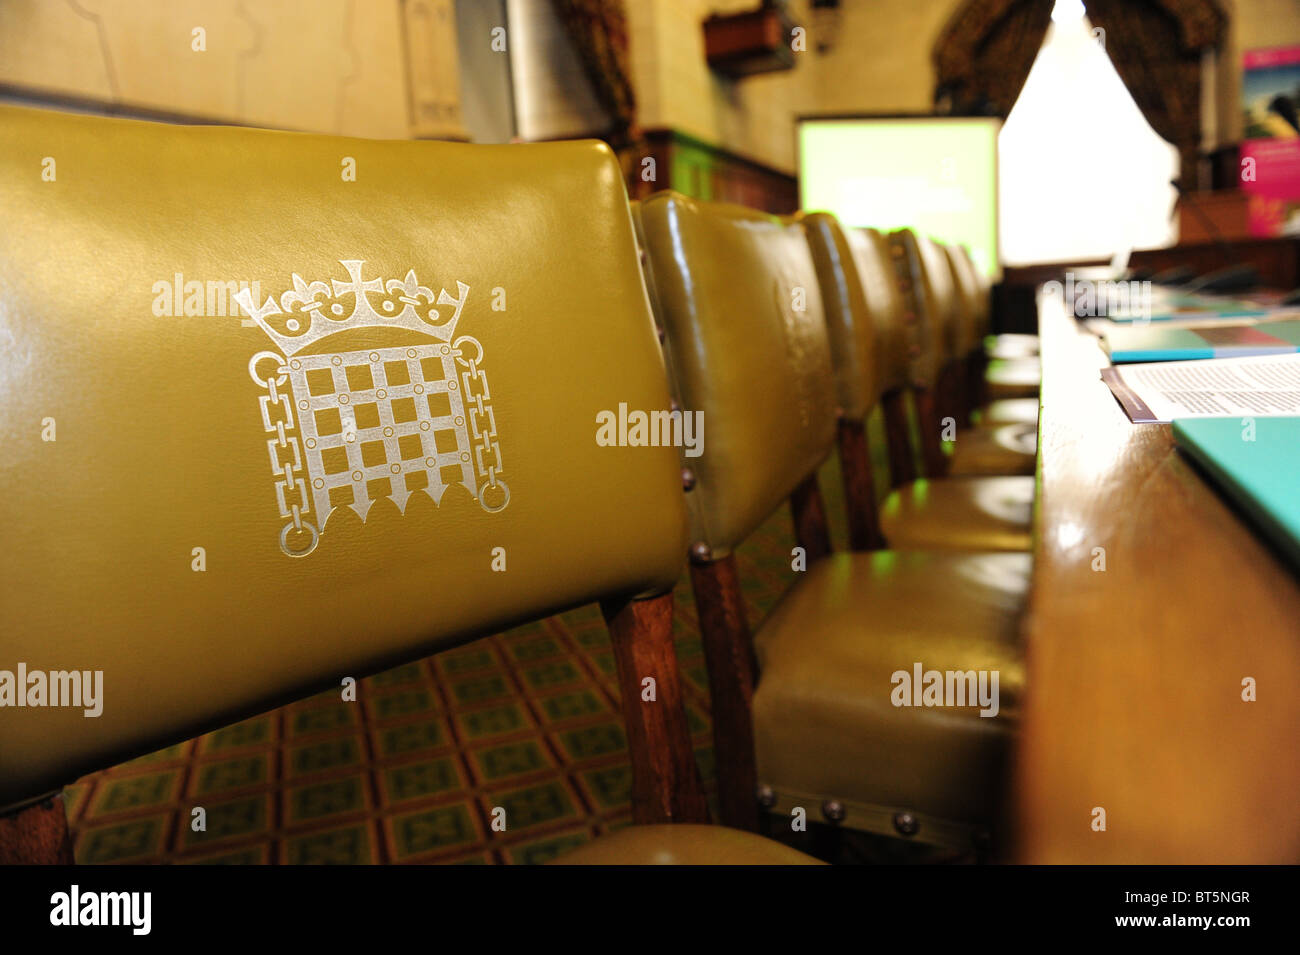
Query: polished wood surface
{"points": [[861, 505], [902, 466], [812, 531], [729, 659], [1135, 671], [666, 784]]}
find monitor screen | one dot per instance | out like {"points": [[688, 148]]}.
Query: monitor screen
{"points": [[936, 175]]}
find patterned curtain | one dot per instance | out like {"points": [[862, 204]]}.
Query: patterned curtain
{"points": [[983, 55], [598, 30], [1156, 46]]}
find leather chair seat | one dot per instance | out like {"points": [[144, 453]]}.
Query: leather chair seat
{"points": [[1010, 345], [684, 845], [971, 513], [1013, 378], [825, 727], [1008, 411], [1009, 449]]}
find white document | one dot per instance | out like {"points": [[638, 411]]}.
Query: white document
{"points": [[1258, 386]]}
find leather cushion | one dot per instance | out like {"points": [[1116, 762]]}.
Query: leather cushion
{"points": [[1013, 378], [746, 342], [970, 513], [824, 722], [1007, 449], [162, 448], [684, 844], [1011, 345], [1008, 411]]}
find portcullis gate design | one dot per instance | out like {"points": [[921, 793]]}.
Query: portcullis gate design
{"points": [[346, 428]]}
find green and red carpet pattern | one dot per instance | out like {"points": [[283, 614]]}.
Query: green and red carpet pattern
{"points": [[526, 721]]}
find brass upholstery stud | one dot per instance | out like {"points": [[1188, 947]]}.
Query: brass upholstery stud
{"points": [[833, 810], [906, 824], [688, 479], [701, 552], [766, 797]]}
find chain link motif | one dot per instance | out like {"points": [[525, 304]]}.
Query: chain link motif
{"points": [[477, 397], [291, 485]]}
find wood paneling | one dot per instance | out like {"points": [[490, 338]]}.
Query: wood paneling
{"points": [[695, 168]]}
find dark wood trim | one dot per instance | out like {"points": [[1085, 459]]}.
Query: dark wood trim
{"points": [[933, 459], [898, 439], [977, 365], [951, 394], [37, 835], [666, 784], [811, 529], [859, 486], [704, 170], [729, 655]]}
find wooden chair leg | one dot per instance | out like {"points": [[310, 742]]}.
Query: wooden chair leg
{"points": [[902, 467], [666, 783], [859, 487], [729, 656], [37, 835], [811, 530], [927, 413], [961, 392], [974, 380]]}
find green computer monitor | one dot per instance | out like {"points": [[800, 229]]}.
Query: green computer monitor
{"points": [[937, 175]]}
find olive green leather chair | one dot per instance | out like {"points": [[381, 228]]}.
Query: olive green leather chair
{"points": [[746, 342], [867, 320], [926, 278], [225, 508], [1006, 345], [1012, 372], [973, 289]]}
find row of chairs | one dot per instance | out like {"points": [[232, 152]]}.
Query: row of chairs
{"points": [[787, 334]]}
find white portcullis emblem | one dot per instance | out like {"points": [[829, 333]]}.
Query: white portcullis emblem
{"points": [[357, 425]]}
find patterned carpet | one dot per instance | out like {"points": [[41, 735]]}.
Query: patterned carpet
{"points": [[527, 720]]}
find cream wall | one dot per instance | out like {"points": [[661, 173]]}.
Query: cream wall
{"points": [[879, 61], [379, 68]]}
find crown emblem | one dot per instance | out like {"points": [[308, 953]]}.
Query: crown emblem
{"points": [[311, 311], [346, 428]]}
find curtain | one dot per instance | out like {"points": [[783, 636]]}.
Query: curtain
{"points": [[983, 55], [1156, 47], [598, 31]]}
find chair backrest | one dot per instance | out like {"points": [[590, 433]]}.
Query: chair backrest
{"points": [[944, 305], [927, 343], [746, 345], [865, 313], [979, 285], [973, 310], [223, 508]]}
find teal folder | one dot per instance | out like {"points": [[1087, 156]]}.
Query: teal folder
{"points": [[1183, 344], [1262, 476]]}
